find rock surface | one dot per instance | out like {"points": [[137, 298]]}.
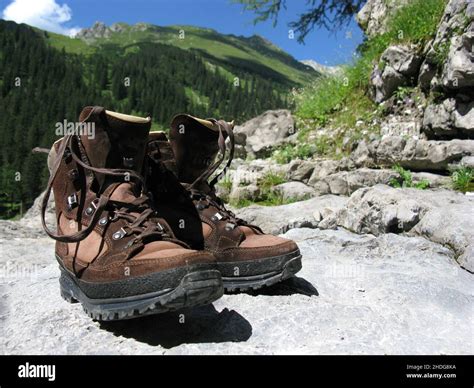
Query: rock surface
{"points": [[400, 64], [304, 214], [443, 69], [449, 119], [354, 295], [456, 33], [373, 16], [440, 216], [452, 116]]}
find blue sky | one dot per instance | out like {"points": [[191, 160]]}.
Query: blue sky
{"points": [[66, 16]]}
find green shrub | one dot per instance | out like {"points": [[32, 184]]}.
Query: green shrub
{"points": [[441, 53], [289, 152], [462, 179], [402, 92], [268, 195], [405, 179], [269, 180]]}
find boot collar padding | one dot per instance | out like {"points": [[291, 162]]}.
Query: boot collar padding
{"points": [[120, 116], [207, 123], [128, 118]]}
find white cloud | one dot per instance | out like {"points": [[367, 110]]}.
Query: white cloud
{"points": [[45, 14]]}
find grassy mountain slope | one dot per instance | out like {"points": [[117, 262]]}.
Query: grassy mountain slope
{"points": [[253, 54]]}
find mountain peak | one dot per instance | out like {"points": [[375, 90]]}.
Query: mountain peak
{"points": [[98, 30], [323, 69], [101, 30]]}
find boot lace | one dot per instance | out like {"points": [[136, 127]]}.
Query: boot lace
{"points": [[137, 213], [206, 198]]}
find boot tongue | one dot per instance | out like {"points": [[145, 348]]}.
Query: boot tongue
{"points": [[194, 144], [118, 141], [124, 193]]}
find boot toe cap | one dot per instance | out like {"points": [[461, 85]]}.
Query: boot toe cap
{"points": [[262, 246]]}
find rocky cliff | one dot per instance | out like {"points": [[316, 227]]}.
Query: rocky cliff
{"points": [[443, 69]]}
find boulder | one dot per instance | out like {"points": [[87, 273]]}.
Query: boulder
{"points": [[427, 73], [442, 216], [323, 168], [372, 17], [300, 170], [458, 71], [239, 193], [385, 83], [346, 182], [279, 219], [249, 172], [294, 191], [265, 131], [435, 180], [449, 119], [403, 59], [417, 155], [399, 64]]}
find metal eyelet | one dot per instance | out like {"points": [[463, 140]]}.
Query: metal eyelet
{"points": [[217, 217], [119, 234], [103, 221], [72, 201], [160, 227], [229, 226], [92, 207]]}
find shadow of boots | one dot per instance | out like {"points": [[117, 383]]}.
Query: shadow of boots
{"points": [[291, 286], [202, 324]]}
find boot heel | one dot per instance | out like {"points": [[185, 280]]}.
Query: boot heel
{"points": [[65, 289]]}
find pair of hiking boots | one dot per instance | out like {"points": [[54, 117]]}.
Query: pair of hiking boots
{"points": [[140, 229]]}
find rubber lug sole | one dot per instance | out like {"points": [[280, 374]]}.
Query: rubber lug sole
{"points": [[195, 289], [235, 284]]}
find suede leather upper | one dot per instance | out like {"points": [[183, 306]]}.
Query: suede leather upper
{"points": [[146, 243], [206, 222]]}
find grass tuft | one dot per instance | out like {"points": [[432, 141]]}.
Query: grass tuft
{"points": [[405, 180], [462, 179]]}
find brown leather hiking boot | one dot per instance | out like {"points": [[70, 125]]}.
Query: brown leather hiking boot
{"points": [[116, 257], [246, 257]]}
